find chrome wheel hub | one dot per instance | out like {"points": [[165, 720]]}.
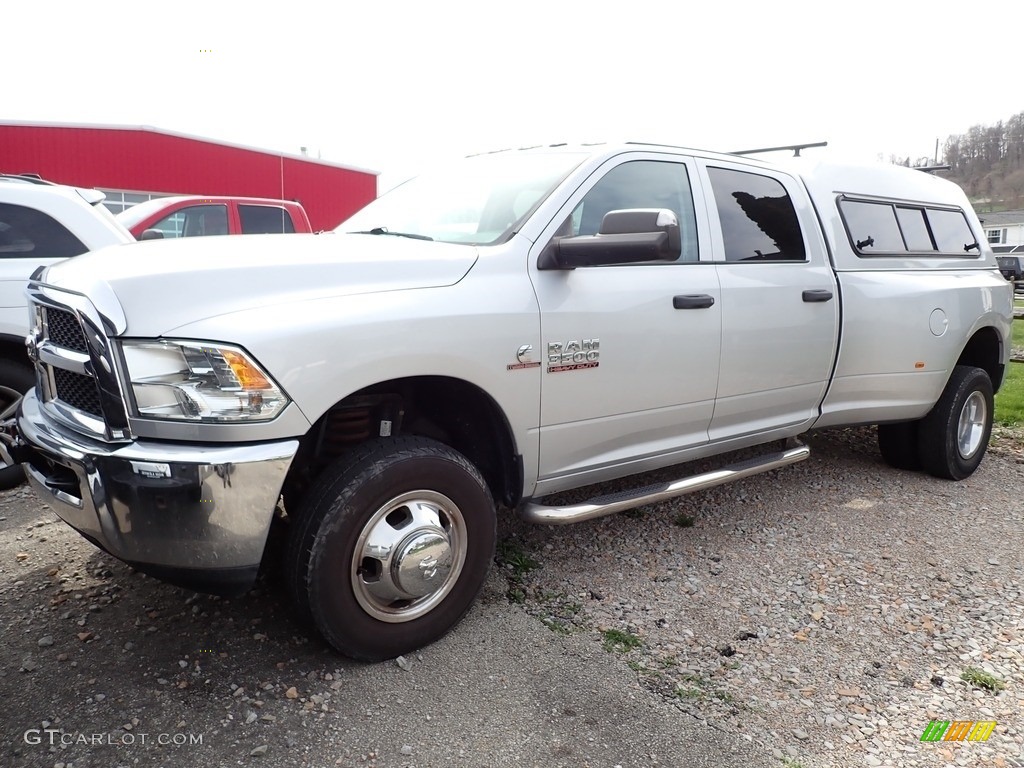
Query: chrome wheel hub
{"points": [[971, 427], [422, 563], [408, 556]]}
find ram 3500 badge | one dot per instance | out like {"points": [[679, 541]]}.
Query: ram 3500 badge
{"points": [[519, 324]]}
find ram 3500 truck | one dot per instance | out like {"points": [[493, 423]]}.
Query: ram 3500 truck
{"points": [[519, 324]]}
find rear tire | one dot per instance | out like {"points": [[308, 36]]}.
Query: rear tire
{"points": [[391, 547], [898, 445], [953, 437], [15, 380]]}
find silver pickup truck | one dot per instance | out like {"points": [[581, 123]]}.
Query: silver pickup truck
{"points": [[519, 324]]}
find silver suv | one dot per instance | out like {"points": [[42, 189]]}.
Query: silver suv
{"points": [[40, 223]]}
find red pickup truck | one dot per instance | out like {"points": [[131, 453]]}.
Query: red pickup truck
{"points": [[190, 216]]}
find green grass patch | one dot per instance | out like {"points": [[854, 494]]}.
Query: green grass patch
{"points": [[692, 687], [515, 560], [684, 520], [620, 641], [979, 678], [517, 565], [1010, 398]]}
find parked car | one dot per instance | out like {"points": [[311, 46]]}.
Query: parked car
{"points": [[1012, 267], [196, 216], [40, 223], [514, 326]]}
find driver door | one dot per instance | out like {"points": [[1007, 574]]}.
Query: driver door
{"points": [[630, 353]]}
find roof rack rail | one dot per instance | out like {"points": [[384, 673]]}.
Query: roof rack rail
{"points": [[932, 168], [795, 147]]}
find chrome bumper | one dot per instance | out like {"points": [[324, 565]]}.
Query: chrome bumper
{"points": [[197, 516]]}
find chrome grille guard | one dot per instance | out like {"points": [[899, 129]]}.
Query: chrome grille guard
{"points": [[62, 350]]}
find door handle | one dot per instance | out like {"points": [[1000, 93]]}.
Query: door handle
{"points": [[817, 294], [693, 301]]}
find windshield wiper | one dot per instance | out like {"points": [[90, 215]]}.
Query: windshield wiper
{"points": [[386, 231]]}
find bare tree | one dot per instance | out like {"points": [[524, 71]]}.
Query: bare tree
{"points": [[986, 160]]}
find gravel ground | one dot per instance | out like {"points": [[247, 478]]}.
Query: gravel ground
{"points": [[816, 616], [826, 611]]}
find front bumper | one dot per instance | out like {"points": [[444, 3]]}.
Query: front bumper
{"points": [[193, 515]]}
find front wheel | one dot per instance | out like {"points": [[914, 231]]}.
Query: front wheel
{"points": [[953, 437], [391, 547], [15, 380]]}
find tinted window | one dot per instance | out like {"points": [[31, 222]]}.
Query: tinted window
{"points": [[758, 220], [952, 233], [915, 229], [873, 227], [195, 221], [28, 232], [641, 184], [879, 228], [264, 219]]}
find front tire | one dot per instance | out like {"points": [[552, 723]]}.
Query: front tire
{"points": [[391, 547], [953, 437], [15, 380]]}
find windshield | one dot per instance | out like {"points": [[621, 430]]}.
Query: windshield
{"points": [[476, 201], [134, 215]]}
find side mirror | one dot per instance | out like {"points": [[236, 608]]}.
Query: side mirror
{"points": [[626, 237], [152, 234]]}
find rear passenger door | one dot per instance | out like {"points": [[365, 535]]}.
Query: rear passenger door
{"points": [[780, 304]]}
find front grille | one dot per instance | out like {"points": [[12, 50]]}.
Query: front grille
{"points": [[64, 330], [78, 391], [78, 384]]}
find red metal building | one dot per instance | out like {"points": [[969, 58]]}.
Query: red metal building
{"points": [[134, 163]]}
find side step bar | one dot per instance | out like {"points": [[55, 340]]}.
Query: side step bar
{"points": [[637, 497]]}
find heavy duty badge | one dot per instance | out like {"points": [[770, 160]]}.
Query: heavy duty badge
{"points": [[573, 355]]}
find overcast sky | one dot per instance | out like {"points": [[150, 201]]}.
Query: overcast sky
{"points": [[395, 86]]}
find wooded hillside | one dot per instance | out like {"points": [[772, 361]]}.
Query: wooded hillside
{"points": [[988, 162]]}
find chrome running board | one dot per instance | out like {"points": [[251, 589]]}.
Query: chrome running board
{"points": [[637, 497]]}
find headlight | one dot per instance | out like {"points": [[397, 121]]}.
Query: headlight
{"points": [[192, 381]]}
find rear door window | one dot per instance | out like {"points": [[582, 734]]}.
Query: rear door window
{"points": [[26, 232], [759, 222], [264, 219]]}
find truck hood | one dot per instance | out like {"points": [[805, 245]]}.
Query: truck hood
{"points": [[162, 285]]}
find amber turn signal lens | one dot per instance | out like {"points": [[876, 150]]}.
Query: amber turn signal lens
{"points": [[248, 376]]}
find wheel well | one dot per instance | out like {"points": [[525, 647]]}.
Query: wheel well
{"points": [[451, 411], [983, 351], [14, 350]]}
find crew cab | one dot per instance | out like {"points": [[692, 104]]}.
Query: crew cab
{"points": [[40, 223], [197, 216], [519, 324]]}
